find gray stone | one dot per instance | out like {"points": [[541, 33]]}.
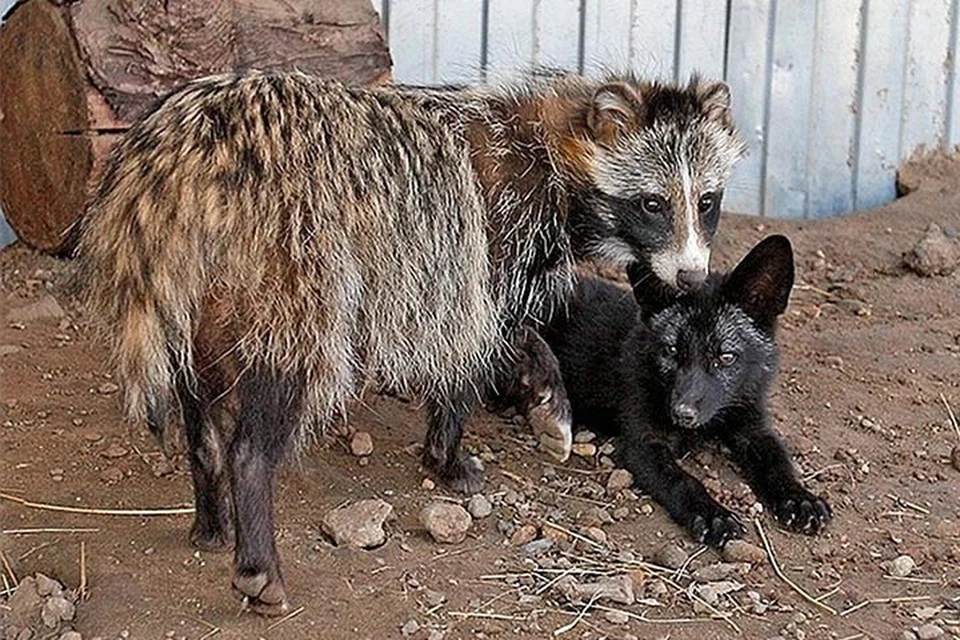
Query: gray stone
{"points": [[447, 523], [359, 524]]}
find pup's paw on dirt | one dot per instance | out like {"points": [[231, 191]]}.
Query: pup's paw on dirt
{"points": [[714, 526], [802, 512]]}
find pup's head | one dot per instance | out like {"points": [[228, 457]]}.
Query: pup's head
{"points": [[714, 349], [656, 159]]}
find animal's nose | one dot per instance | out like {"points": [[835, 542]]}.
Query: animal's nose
{"points": [[690, 279], [685, 415]]}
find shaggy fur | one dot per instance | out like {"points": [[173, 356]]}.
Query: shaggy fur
{"points": [[264, 246]]}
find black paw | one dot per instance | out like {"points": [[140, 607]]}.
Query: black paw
{"points": [[464, 474], [803, 512], [715, 526]]}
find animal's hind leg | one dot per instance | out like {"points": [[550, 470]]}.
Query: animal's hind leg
{"points": [[270, 406], [447, 415], [212, 526]]}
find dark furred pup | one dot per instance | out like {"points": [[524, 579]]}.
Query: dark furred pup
{"points": [[684, 371]]}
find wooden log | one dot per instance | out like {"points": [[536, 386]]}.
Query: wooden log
{"points": [[77, 74]]}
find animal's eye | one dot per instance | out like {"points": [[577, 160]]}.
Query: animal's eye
{"points": [[670, 350], [727, 358], [652, 205], [707, 201]]}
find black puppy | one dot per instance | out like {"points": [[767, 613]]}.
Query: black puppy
{"points": [[678, 371]]}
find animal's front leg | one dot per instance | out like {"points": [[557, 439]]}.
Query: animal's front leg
{"points": [[447, 414], [765, 463]]}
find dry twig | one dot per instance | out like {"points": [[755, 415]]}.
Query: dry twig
{"points": [[172, 511], [780, 574]]}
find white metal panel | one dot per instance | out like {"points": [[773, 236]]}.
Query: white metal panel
{"points": [[653, 38], [785, 187], [702, 38], [924, 90], [606, 36], [458, 52], [509, 38], [413, 41], [881, 96], [747, 56], [953, 91], [830, 146], [556, 33]]}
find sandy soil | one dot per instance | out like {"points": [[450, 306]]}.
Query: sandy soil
{"points": [[868, 350]]}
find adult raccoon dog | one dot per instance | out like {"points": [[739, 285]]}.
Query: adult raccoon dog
{"points": [[679, 371], [261, 247]]}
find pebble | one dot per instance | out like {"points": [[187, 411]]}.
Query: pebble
{"points": [[523, 535], [111, 474], [935, 254], [436, 634], [428, 484], [711, 591], [71, 635], [584, 436], [743, 551], [615, 616], [955, 457], [670, 556], [619, 479], [607, 448], [55, 609], [359, 524], [410, 627], [928, 631], [720, 571], [536, 547], [47, 586], [621, 513], [434, 598], [108, 388], [901, 566], [161, 468], [615, 589], [596, 534], [361, 444], [447, 523], [479, 507], [584, 449], [115, 450]]}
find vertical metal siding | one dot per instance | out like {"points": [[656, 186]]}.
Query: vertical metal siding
{"points": [[831, 95]]}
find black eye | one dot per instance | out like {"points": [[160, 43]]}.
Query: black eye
{"points": [[707, 202], [652, 205], [670, 350], [726, 359]]}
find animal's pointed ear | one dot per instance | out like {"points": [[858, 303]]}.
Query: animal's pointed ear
{"points": [[761, 283], [648, 290], [615, 108], [714, 99]]}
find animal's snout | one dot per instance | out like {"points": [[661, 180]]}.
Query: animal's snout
{"points": [[690, 279], [685, 415]]}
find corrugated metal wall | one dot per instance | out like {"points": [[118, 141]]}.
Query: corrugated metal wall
{"points": [[830, 94]]}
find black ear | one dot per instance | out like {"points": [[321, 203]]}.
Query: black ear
{"points": [[615, 108], [648, 290], [761, 283]]}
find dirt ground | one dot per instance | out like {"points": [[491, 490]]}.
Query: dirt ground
{"points": [[868, 350]]}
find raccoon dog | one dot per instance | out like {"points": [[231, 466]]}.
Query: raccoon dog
{"points": [[680, 371], [263, 246]]}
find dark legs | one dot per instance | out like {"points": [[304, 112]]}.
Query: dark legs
{"points": [[446, 416], [212, 526], [269, 411]]}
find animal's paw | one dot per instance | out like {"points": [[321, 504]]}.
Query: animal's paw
{"points": [[715, 526], [463, 474], [260, 594], [553, 427], [802, 512]]}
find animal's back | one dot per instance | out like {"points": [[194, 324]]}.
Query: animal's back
{"points": [[339, 230]]}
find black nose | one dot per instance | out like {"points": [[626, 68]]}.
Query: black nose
{"points": [[685, 415], [689, 279]]}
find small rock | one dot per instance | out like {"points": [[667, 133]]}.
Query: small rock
{"points": [[71, 635], [25, 600], [511, 497], [721, 571], [111, 474], [584, 449], [410, 627], [947, 530], [582, 437], [436, 634], [596, 534], [935, 254], [93, 436], [615, 589], [428, 484], [928, 631], [359, 524], [901, 566], [523, 535], [434, 598], [361, 444], [619, 479], [536, 547], [161, 468], [447, 523], [711, 591], [479, 507], [908, 635], [108, 388], [615, 616], [55, 609], [743, 551], [621, 513], [48, 586], [670, 556], [558, 536], [955, 457], [115, 450], [45, 307]]}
